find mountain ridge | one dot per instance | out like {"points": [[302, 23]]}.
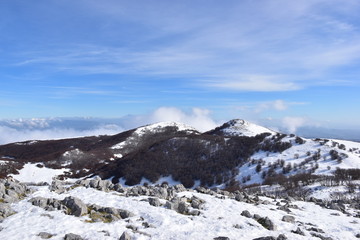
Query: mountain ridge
{"points": [[237, 151]]}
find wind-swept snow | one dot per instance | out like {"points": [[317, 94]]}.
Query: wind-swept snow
{"points": [[243, 128], [31, 173], [220, 217], [297, 155]]}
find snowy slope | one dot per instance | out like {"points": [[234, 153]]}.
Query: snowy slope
{"points": [[31, 173], [220, 217], [154, 128], [169, 140], [239, 127], [299, 153], [140, 133]]}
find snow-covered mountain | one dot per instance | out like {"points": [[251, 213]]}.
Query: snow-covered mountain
{"points": [[240, 127], [264, 185], [237, 151]]}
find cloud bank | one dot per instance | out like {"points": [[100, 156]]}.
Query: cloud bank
{"points": [[293, 123], [197, 118], [9, 135], [57, 128], [17, 130]]}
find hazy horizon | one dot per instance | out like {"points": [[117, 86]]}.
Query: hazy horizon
{"points": [[17, 130]]}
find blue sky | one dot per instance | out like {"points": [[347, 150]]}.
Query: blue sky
{"points": [[296, 61]]}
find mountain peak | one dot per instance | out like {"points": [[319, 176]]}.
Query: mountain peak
{"points": [[240, 127], [161, 125]]}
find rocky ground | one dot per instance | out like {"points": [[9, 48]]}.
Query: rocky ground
{"points": [[98, 209]]}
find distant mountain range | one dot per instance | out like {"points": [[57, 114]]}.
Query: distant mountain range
{"points": [[237, 151], [14, 130]]}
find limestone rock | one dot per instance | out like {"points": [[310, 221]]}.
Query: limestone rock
{"points": [[72, 236], [76, 206]]}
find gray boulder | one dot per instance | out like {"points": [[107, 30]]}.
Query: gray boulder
{"points": [[337, 206], [2, 189], [125, 236], [265, 238], [39, 202], [11, 196], [104, 185], [194, 212], [314, 229], [12, 190], [5, 210], [298, 231], [284, 208], [57, 187], [179, 205], [107, 214], [154, 202], [221, 238], [159, 192], [16, 186], [281, 237], [84, 182], [197, 203], [288, 218], [256, 217], [203, 190], [179, 188], [182, 208], [267, 223], [76, 206], [72, 236], [173, 204], [246, 213], [45, 235], [118, 188], [320, 236], [125, 213], [49, 204]]}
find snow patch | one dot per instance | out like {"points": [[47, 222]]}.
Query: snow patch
{"points": [[243, 128], [31, 173]]}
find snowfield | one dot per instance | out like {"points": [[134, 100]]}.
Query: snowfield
{"points": [[31, 173], [298, 153], [220, 216], [244, 128]]}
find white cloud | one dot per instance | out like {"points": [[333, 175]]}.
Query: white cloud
{"points": [[197, 118], [57, 128], [9, 135], [254, 40], [293, 123], [278, 105], [261, 83]]}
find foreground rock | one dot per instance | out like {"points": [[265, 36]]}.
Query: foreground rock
{"points": [[182, 206], [163, 191], [5, 210], [125, 236], [72, 236], [267, 223], [74, 206], [12, 190], [45, 235], [107, 214]]}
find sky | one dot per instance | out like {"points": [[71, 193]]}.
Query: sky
{"points": [[284, 63]]}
